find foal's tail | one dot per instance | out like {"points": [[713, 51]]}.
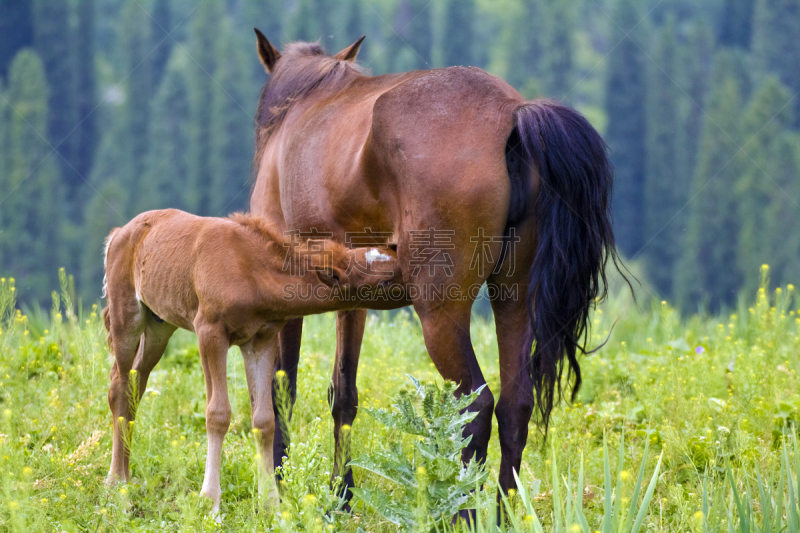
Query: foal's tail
{"points": [[106, 318], [574, 239]]}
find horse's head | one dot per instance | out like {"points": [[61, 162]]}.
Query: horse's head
{"points": [[294, 74], [270, 56]]}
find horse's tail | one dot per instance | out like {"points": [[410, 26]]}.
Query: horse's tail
{"points": [[574, 239]]}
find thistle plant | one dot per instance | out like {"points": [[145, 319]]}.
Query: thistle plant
{"points": [[430, 483]]}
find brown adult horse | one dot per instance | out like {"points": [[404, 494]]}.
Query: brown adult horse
{"points": [[474, 185]]}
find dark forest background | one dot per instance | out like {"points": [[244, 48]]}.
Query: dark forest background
{"points": [[112, 107]]}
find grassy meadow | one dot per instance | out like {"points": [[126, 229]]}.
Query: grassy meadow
{"points": [[712, 397]]}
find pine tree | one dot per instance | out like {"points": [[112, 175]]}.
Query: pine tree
{"points": [[202, 48], [783, 211], [303, 23], [558, 59], [736, 23], [16, 31], [5, 185], [324, 13], [86, 135], [32, 232], [527, 48], [763, 169], [627, 131], [459, 37], [161, 40], [55, 45], [708, 273], [103, 213], [775, 47], [231, 128], [166, 177], [663, 189], [355, 27], [413, 47], [139, 86], [694, 70], [268, 17]]}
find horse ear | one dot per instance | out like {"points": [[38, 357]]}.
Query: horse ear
{"points": [[350, 53], [266, 52]]}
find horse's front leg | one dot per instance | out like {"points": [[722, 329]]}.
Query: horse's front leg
{"points": [[213, 344], [344, 393], [260, 356], [290, 337]]}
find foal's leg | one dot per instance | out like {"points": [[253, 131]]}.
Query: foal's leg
{"points": [[214, 346], [344, 393], [260, 355], [290, 337], [153, 343], [125, 322]]}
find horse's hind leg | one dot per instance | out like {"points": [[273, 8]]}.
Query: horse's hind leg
{"points": [[153, 343], [344, 393], [509, 283], [125, 321], [515, 404], [289, 341], [445, 328]]}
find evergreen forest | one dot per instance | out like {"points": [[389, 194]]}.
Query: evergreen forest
{"points": [[112, 107]]}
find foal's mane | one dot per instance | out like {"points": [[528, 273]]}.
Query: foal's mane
{"points": [[302, 68], [263, 229], [275, 239]]}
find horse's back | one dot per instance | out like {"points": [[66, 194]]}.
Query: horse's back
{"points": [[441, 138]]}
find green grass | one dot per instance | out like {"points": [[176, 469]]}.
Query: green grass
{"points": [[708, 397]]}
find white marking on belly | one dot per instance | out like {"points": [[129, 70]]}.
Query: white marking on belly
{"points": [[375, 255]]}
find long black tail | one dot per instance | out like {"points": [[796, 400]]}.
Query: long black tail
{"points": [[575, 240]]}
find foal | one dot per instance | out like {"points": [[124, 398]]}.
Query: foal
{"points": [[233, 282]]}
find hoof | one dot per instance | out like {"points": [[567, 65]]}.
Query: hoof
{"points": [[467, 517]]}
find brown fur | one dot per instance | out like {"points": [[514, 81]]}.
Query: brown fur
{"points": [[460, 151], [224, 279]]}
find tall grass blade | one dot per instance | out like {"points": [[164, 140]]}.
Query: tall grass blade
{"points": [[607, 488], [526, 500], [766, 504], [793, 502], [557, 525], [636, 489], [744, 522], [791, 510], [648, 495], [616, 524], [776, 526], [569, 517]]}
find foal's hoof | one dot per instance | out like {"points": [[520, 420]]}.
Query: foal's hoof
{"points": [[114, 479], [467, 517]]}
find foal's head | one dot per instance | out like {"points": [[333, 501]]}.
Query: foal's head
{"points": [[301, 68], [333, 269], [349, 272]]}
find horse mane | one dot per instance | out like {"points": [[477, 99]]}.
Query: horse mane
{"points": [[303, 67], [275, 238]]}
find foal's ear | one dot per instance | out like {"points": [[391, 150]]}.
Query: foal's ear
{"points": [[266, 52], [350, 53]]}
